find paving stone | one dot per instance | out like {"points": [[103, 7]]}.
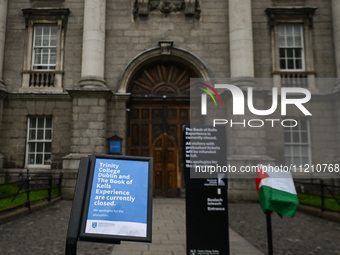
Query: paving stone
{"points": [[303, 234], [44, 232]]}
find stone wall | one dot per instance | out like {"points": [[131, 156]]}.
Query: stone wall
{"points": [[261, 39], [323, 130], [117, 119], [126, 37], [88, 125], [207, 38], [323, 47], [14, 127]]}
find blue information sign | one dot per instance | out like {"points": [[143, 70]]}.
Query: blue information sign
{"points": [[119, 190], [115, 146], [119, 198]]}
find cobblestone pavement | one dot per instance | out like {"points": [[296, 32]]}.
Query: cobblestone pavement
{"points": [[44, 233], [301, 235]]}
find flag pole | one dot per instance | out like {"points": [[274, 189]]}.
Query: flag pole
{"points": [[269, 232]]}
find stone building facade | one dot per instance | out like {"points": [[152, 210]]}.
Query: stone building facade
{"points": [[74, 73]]}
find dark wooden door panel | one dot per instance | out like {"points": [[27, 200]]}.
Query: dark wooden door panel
{"points": [[144, 140], [158, 109]]}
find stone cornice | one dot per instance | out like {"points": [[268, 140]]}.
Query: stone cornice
{"points": [[38, 95], [90, 93], [46, 13], [290, 12], [124, 97]]}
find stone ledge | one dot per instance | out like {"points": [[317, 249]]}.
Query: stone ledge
{"points": [[332, 216], [8, 214]]}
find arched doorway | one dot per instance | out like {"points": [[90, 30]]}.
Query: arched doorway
{"points": [[159, 106]]}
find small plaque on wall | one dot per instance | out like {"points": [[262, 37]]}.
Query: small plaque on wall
{"points": [[115, 145]]}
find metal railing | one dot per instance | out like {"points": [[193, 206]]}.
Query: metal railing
{"points": [[33, 182], [320, 189]]}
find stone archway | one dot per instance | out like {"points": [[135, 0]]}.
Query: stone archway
{"points": [[153, 55], [158, 84], [159, 107]]}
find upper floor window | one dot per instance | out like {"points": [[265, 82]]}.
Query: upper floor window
{"points": [[44, 47], [291, 46], [44, 52]]}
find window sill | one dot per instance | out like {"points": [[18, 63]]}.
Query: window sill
{"points": [[41, 89], [38, 167]]}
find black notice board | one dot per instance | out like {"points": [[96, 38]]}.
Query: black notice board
{"points": [[206, 201], [112, 201]]}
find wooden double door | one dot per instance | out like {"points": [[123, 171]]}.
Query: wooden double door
{"points": [[155, 130], [159, 107]]}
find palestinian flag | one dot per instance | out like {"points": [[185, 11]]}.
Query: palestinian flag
{"points": [[276, 190]]}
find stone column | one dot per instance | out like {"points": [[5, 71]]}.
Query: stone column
{"points": [[92, 71], [3, 19], [89, 109], [336, 33], [241, 39], [247, 146]]}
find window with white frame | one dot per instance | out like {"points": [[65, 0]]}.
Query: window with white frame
{"points": [[297, 143], [291, 47], [39, 141], [44, 47]]}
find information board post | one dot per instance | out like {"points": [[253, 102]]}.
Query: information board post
{"points": [[77, 208], [207, 223]]}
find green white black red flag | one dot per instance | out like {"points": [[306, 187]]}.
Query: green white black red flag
{"points": [[276, 190]]}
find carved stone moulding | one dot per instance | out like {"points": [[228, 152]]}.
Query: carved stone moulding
{"points": [[144, 7], [278, 13], [166, 47], [289, 2]]}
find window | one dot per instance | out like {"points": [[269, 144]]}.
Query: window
{"points": [[297, 143], [44, 47], [39, 141], [291, 47], [44, 52]]}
